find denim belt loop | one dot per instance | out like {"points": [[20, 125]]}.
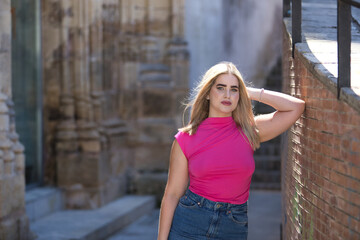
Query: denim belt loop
{"points": [[202, 201]]}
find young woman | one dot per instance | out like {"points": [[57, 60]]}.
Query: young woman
{"points": [[215, 152]]}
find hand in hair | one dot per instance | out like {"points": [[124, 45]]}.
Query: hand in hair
{"points": [[288, 110]]}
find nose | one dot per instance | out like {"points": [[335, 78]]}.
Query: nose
{"points": [[227, 93]]}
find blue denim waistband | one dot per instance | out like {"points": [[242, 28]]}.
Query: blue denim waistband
{"points": [[206, 203]]}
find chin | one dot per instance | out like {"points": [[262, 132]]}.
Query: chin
{"points": [[228, 110]]}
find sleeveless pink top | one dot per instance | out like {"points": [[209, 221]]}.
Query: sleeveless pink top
{"points": [[220, 160]]}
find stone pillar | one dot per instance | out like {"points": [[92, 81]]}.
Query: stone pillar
{"points": [[159, 75], [178, 57], [84, 134], [52, 54], [116, 72], [95, 58], [80, 156], [13, 220], [115, 127], [178, 18]]}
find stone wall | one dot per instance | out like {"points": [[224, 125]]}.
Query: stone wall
{"points": [[320, 164], [77, 146], [155, 81], [13, 221], [114, 73]]}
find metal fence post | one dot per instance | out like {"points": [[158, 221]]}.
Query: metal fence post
{"points": [[296, 23], [344, 44]]}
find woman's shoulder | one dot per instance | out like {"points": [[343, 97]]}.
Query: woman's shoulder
{"points": [[182, 134]]}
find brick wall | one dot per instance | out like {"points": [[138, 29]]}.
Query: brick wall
{"points": [[321, 168]]}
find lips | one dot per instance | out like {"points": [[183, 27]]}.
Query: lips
{"points": [[226, 103]]}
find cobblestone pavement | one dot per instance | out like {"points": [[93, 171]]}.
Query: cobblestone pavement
{"points": [[264, 220]]}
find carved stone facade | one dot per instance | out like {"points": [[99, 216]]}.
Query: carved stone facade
{"points": [[13, 220], [114, 73]]}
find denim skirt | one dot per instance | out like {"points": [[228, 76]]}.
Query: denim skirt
{"points": [[198, 218]]}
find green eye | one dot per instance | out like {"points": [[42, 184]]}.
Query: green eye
{"points": [[234, 90]]}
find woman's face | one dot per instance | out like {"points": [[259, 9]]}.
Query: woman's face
{"points": [[223, 96]]}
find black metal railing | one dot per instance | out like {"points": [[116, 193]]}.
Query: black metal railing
{"points": [[344, 42], [343, 35]]}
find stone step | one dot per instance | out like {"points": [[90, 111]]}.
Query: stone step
{"points": [[152, 77], [266, 185], [145, 228], [268, 149], [154, 74], [266, 176], [93, 224], [153, 67], [267, 163], [43, 201]]}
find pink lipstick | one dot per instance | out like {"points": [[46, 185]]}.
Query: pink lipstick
{"points": [[226, 103]]}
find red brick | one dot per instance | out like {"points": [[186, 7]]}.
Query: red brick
{"points": [[347, 208], [327, 158], [339, 166], [355, 171], [336, 152], [338, 178], [333, 140], [352, 158], [325, 172], [355, 120], [305, 82], [326, 150], [334, 189], [337, 106], [353, 184], [325, 94], [344, 117], [355, 146], [345, 143], [355, 224]]}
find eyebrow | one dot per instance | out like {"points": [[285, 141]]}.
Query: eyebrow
{"points": [[223, 85]]}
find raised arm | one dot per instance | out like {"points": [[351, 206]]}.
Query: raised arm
{"points": [[175, 188], [288, 110]]}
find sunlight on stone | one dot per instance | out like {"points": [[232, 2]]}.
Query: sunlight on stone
{"points": [[325, 52]]}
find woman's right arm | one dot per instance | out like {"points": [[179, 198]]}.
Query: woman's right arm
{"points": [[175, 188]]}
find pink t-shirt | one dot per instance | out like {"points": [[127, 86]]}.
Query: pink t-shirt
{"points": [[220, 160]]}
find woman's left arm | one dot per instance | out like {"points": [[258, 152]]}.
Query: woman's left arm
{"points": [[288, 110]]}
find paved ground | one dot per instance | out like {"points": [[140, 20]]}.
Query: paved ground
{"points": [[91, 224], [264, 220]]}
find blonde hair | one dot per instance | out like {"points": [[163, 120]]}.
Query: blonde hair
{"points": [[242, 115]]}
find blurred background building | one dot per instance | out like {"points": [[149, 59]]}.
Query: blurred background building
{"points": [[91, 93]]}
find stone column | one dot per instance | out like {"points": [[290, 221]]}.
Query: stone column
{"points": [[13, 220], [88, 133], [67, 139], [95, 58], [177, 20], [115, 127], [161, 83], [78, 142], [52, 55], [178, 58]]}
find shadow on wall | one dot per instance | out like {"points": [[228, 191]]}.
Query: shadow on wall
{"points": [[245, 32]]}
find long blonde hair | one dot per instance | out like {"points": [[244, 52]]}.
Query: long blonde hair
{"points": [[242, 115]]}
